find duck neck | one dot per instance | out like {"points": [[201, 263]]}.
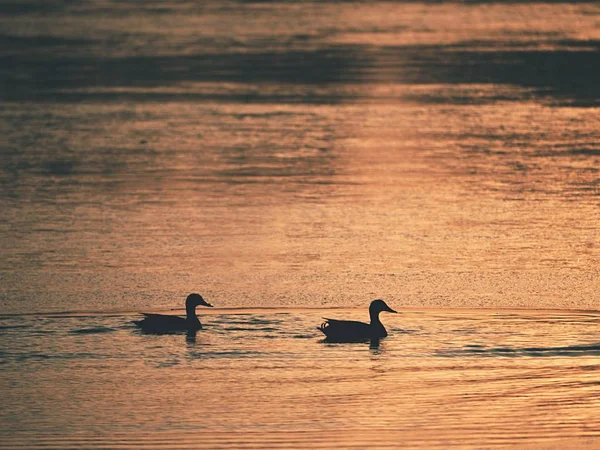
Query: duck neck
{"points": [[374, 318], [377, 328], [190, 311]]}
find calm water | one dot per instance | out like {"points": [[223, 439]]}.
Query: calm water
{"points": [[264, 379], [299, 157]]}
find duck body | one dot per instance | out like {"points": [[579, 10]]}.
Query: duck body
{"points": [[162, 323], [354, 331]]}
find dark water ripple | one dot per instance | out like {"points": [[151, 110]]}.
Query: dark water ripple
{"points": [[560, 69], [93, 330], [571, 350], [560, 75]]}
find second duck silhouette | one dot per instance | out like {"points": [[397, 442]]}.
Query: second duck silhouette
{"points": [[354, 331], [161, 323]]}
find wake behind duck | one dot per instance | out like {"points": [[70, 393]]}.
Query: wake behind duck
{"points": [[354, 331]]}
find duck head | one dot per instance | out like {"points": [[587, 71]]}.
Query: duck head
{"points": [[378, 306], [194, 300]]}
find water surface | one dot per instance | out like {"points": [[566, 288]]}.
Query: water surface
{"points": [[287, 159], [299, 153], [264, 378]]}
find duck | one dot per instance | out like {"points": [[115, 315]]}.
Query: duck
{"points": [[354, 331], [161, 323]]}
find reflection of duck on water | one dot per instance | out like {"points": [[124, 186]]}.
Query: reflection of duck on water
{"points": [[160, 323], [353, 331]]}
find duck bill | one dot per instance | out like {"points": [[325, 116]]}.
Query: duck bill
{"points": [[391, 310], [207, 304]]}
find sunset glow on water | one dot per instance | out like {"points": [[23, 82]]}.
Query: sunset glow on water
{"points": [[292, 161]]}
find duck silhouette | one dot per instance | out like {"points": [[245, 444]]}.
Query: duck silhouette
{"points": [[161, 323], [354, 331]]}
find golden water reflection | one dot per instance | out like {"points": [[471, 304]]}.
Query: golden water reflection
{"points": [[265, 378]]}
